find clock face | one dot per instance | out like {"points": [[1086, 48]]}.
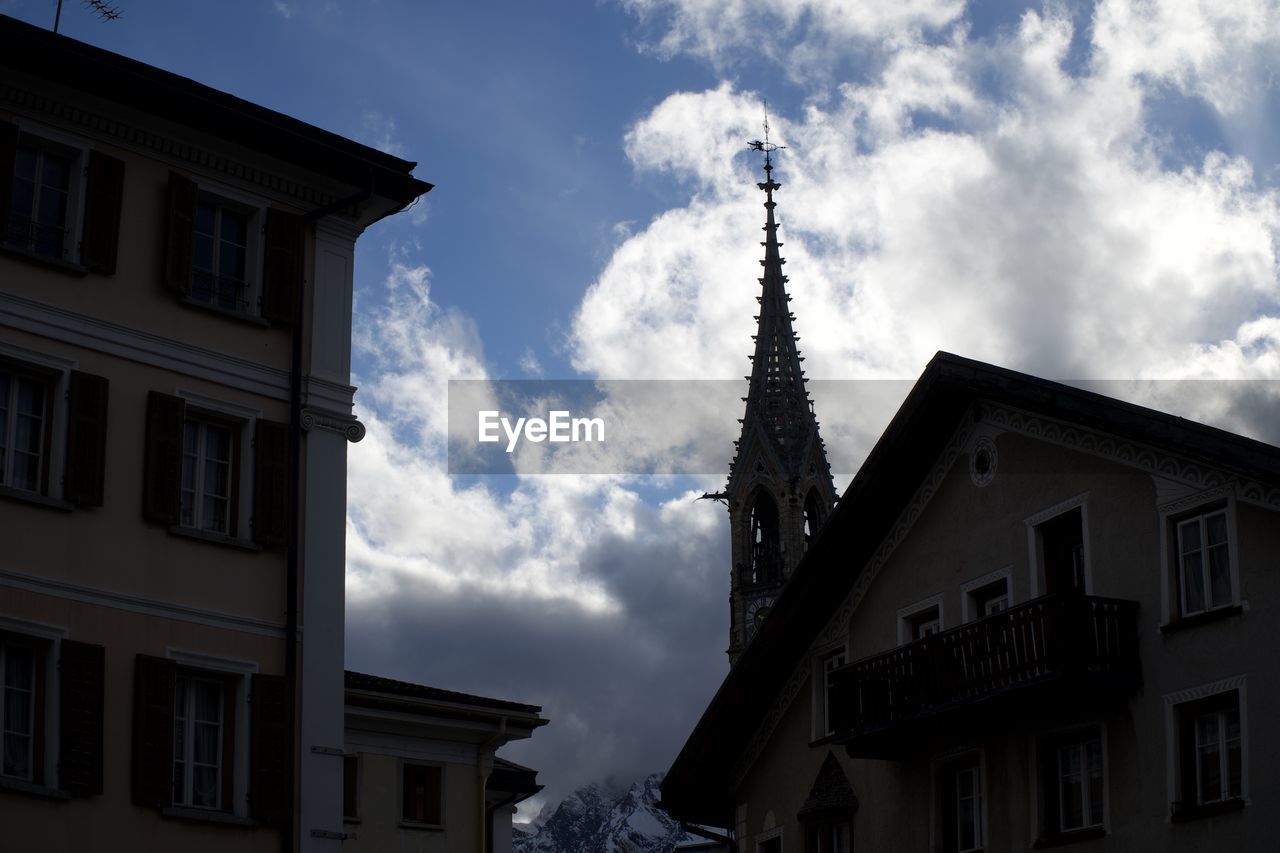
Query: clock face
{"points": [[757, 610]]}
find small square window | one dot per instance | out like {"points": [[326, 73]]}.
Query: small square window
{"points": [[926, 623], [990, 599], [422, 794]]}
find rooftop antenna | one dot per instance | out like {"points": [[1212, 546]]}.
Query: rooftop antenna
{"points": [[104, 10]]}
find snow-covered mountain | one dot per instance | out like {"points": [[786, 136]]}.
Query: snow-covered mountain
{"points": [[599, 819]]}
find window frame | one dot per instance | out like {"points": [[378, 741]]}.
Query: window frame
{"points": [[909, 617], [402, 774], [254, 212], [946, 807], [55, 373], [821, 696], [241, 421], [45, 139], [1048, 785], [1035, 544], [971, 593], [352, 773], [37, 754], [1183, 710], [1172, 518], [225, 784]]}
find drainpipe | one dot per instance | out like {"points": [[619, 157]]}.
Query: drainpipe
{"points": [[493, 742], [288, 842]]}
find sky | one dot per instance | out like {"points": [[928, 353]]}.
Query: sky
{"points": [[1077, 190]]}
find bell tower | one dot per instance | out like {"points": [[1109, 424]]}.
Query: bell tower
{"points": [[780, 488]]}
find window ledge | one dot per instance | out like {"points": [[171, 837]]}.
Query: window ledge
{"points": [[207, 816], [1190, 813], [242, 316], [46, 260], [214, 538], [1070, 837], [1207, 616], [32, 789], [429, 827], [37, 499]]}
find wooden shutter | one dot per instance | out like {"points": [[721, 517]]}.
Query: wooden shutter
{"points": [[8, 161], [271, 483], [80, 671], [102, 213], [271, 713], [162, 471], [282, 265], [153, 686], [179, 233], [86, 439]]}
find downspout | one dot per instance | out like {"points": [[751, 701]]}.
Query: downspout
{"points": [[288, 842], [710, 836], [496, 740]]}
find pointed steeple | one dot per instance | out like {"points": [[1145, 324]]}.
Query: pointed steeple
{"points": [[780, 488]]}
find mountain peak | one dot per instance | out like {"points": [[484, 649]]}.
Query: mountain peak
{"points": [[602, 817]]}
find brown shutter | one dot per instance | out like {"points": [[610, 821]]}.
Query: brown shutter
{"points": [[271, 712], [86, 439], [102, 213], [163, 458], [81, 671], [8, 158], [179, 233], [271, 483], [153, 687], [282, 265]]}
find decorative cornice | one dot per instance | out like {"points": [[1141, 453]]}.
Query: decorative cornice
{"points": [[129, 135], [1216, 687], [348, 426], [1192, 501]]}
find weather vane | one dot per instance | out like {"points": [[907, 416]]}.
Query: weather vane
{"points": [[766, 146]]}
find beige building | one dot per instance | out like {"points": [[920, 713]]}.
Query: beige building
{"points": [[1037, 617], [175, 408], [421, 771]]}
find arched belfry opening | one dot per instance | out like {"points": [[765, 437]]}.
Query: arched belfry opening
{"points": [[765, 544], [780, 487]]}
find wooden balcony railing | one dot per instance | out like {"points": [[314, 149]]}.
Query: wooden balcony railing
{"points": [[1066, 639]]}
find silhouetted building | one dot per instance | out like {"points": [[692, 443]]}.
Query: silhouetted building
{"points": [[176, 270], [780, 489], [1038, 616]]}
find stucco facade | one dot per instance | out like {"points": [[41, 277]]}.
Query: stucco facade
{"points": [[179, 530], [1121, 708]]}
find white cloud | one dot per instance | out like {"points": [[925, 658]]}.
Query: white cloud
{"points": [[1031, 223], [379, 131]]}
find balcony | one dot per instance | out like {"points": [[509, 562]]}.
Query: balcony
{"points": [[1076, 649]]}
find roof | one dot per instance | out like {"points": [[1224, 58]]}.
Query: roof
{"points": [[392, 687], [134, 84], [697, 788]]}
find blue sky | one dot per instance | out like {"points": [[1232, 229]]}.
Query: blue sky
{"points": [[1074, 189]]}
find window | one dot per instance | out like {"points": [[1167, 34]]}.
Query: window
{"points": [[920, 620], [824, 666], [30, 709], [1204, 563], [25, 421], [422, 794], [960, 805], [230, 253], [48, 447], [198, 480], [200, 730], [1072, 783], [210, 462], [764, 545], [828, 838], [189, 745], [59, 200], [1060, 549], [20, 663], [1211, 755], [990, 599]]}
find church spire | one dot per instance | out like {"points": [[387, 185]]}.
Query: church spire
{"points": [[780, 486]]}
